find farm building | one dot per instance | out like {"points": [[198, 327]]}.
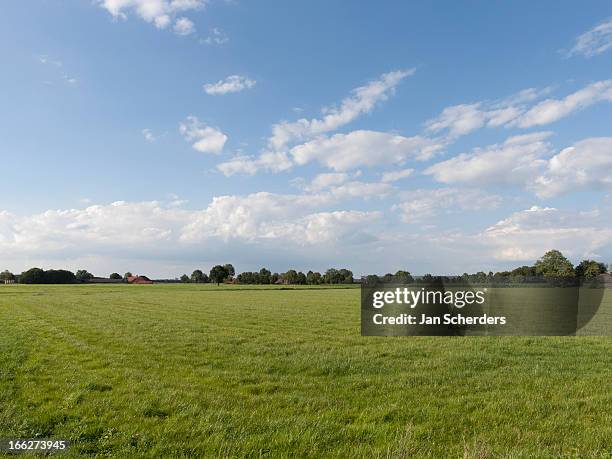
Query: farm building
{"points": [[139, 280]]}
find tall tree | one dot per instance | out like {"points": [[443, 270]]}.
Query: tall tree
{"points": [[231, 272], [218, 274], [197, 276], [185, 279], [587, 269], [554, 264], [115, 276]]}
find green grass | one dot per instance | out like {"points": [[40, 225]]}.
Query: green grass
{"points": [[200, 371]]}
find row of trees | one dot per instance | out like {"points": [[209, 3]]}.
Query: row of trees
{"points": [[222, 273], [552, 265], [49, 276]]}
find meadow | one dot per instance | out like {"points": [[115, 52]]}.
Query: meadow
{"points": [[206, 371]]}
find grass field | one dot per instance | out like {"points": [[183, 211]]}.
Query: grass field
{"points": [[189, 370]]}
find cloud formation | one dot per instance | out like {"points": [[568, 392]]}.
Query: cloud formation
{"points": [[206, 139], [362, 100], [161, 13], [233, 83], [516, 161], [593, 42]]}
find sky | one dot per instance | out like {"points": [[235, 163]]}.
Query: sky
{"points": [[161, 136]]}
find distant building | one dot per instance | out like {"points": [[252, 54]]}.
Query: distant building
{"points": [[139, 280], [104, 280]]}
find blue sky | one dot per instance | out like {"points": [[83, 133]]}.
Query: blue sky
{"points": [[158, 136]]}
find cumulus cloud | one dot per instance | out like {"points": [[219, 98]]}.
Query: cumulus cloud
{"points": [[136, 227], [551, 110], [157, 12], [586, 165], [233, 83], [421, 204], [528, 234], [343, 152], [206, 139], [183, 26], [459, 120], [516, 161], [361, 101], [594, 42], [326, 180], [394, 176]]}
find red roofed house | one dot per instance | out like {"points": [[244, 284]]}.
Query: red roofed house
{"points": [[139, 280]]}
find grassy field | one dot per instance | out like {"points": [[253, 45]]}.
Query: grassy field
{"points": [[188, 370]]}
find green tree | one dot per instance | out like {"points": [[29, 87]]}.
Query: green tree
{"points": [[404, 277], [59, 276], [126, 275], [301, 278], [218, 274], [115, 276], [82, 275], [587, 269], [313, 278], [32, 276], [291, 276], [265, 276], [197, 276], [554, 265], [185, 279], [231, 272]]}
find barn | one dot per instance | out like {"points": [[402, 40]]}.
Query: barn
{"points": [[139, 280]]}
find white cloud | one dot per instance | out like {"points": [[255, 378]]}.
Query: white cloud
{"points": [[157, 12], [587, 165], [207, 139], [551, 110], [528, 234], [595, 41], [216, 37], [233, 83], [361, 101], [459, 120], [516, 161], [184, 26], [420, 204], [149, 135], [394, 176], [343, 152], [326, 180]]}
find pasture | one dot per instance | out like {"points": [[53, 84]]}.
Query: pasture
{"points": [[200, 371]]}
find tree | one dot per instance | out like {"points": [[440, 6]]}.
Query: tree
{"points": [[185, 279], [331, 276], [6, 275], [59, 276], [231, 272], [115, 276], [82, 275], [587, 269], [346, 276], [32, 276], [126, 275], [291, 276], [197, 276], [274, 278], [218, 274], [554, 265], [403, 277], [301, 278], [265, 276], [313, 278]]}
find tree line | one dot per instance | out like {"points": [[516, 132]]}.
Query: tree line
{"points": [[223, 273], [553, 264]]}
